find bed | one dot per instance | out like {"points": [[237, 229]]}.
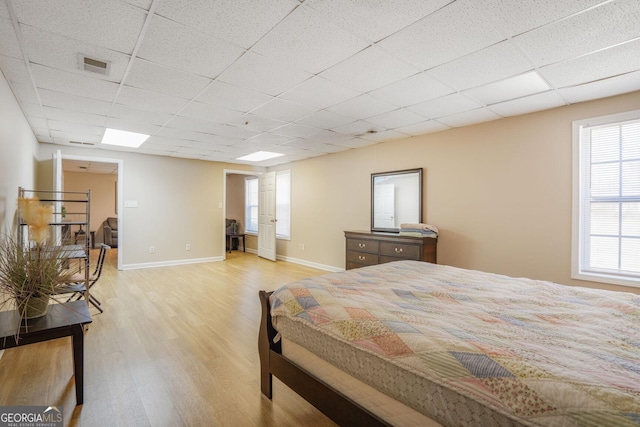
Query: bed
{"points": [[414, 343]]}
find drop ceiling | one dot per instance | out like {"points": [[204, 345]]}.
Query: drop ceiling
{"points": [[216, 80]]}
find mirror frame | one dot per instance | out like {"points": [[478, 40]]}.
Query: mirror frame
{"points": [[417, 171]]}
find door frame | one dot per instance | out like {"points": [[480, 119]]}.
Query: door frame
{"points": [[119, 191], [223, 204]]}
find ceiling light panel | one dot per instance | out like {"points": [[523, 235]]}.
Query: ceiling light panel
{"points": [[123, 138], [583, 33], [511, 88], [606, 63], [435, 40], [307, 40]]}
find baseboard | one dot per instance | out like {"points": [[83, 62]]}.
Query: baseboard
{"points": [[309, 263], [170, 263]]}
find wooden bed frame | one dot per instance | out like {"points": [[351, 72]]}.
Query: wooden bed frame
{"points": [[328, 400]]}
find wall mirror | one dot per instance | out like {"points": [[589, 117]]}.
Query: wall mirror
{"points": [[396, 198]]}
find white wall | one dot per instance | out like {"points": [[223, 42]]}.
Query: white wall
{"points": [[18, 148]]}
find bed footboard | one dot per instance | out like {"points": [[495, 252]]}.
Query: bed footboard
{"points": [[329, 401]]}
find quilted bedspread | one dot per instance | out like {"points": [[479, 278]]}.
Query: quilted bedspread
{"points": [[542, 353]]}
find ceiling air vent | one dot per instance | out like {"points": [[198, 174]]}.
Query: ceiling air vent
{"points": [[94, 65], [81, 143]]}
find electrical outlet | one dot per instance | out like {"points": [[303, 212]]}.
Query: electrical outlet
{"points": [[152, 250], [301, 246], [188, 247]]}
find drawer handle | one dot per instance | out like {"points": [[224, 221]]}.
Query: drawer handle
{"points": [[362, 245], [361, 257], [398, 250]]}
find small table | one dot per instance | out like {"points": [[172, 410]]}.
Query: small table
{"points": [[82, 233], [62, 320], [230, 238]]}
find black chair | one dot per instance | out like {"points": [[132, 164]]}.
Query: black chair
{"points": [[77, 287]]}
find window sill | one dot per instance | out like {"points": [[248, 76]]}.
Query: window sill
{"points": [[607, 278]]}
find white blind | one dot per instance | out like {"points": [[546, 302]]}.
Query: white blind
{"points": [[610, 198]]}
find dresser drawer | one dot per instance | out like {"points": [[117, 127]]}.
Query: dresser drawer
{"points": [[362, 258], [400, 250], [363, 245]]}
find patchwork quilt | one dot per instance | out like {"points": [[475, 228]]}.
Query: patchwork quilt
{"points": [[534, 352]]}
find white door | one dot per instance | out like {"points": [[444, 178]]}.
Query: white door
{"points": [[384, 209], [267, 216]]}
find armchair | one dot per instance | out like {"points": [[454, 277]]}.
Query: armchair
{"points": [[110, 226]]}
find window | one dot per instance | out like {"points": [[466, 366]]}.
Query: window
{"points": [[607, 199], [251, 205], [283, 204]]}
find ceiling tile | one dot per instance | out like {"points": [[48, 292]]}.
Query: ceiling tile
{"points": [[241, 131], [144, 116], [196, 125], [232, 97], [612, 23], [412, 90], [307, 40], [175, 133], [15, 70], [198, 110], [256, 72], [284, 110], [241, 22], [369, 69], [511, 88], [362, 107], [270, 138], [73, 102], [74, 116], [76, 136], [467, 118], [528, 104], [25, 94], [325, 120], [602, 88], [75, 84], [435, 40], [396, 118], [110, 24], [150, 101], [617, 60], [319, 92], [177, 46], [375, 20], [9, 46], [445, 106], [4, 12], [430, 126], [330, 137], [256, 123], [358, 128], [502, 60], [516, 17], [384, 136], [157, 78], [63, 53], [296, 130], [75, 127]]}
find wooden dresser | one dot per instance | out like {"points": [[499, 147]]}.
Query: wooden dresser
{"points": [[370, 248]]}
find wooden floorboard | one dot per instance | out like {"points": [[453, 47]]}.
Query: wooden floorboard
{"points": [[175, 346]]}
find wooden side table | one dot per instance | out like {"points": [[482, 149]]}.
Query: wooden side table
{"points": [[62, 320]]}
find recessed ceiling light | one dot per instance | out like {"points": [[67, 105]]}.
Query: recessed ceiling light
{"points": [[123, 138], [259, 156]]}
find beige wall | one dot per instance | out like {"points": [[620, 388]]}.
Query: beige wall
{"points": [[178, 203], [18, 148], [103, 196], [499, 192]]}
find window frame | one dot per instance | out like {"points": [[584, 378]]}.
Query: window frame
{"points": [[578, 247]]}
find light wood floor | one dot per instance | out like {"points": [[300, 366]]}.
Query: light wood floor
{"points": [[176, 346]]}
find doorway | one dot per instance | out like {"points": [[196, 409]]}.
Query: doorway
{"points": [[98, 165], [234, 201]]}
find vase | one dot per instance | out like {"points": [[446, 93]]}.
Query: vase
{"points": [[33, 307]]}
